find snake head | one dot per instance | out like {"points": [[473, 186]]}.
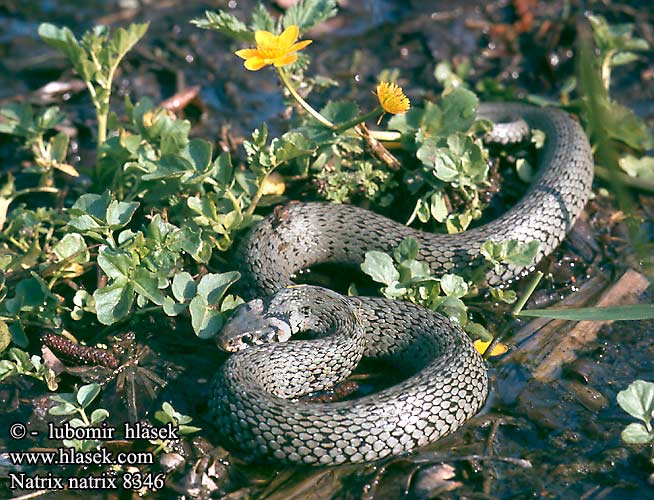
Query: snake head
{"points": [[251, 325]]}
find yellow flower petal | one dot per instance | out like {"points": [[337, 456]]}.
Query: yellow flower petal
{"points": [[247, 53], [299, 46], [289, 36], [482, 345], [273, 49], [392, 98], [254, 63], [264, 38], [286, 60]]}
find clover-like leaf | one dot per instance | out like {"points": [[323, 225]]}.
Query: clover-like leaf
{"points": [[638, 400], [87, 393], [380, 267]]}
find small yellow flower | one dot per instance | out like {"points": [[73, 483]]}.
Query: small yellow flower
{"points": [[482, 346], [278, 50], [392, 98]]}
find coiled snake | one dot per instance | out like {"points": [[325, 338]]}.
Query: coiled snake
{"points": [[253, 396]]}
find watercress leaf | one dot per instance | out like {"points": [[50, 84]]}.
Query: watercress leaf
{"points": [[212, 287], [199, 152], [340, 111], [87, 393], [146, 284], [206, 322], [119, 213], [84, 223], [380, 267], [223, 170], [636, 434], [406, 250], [72, 246], [459, 109], [5, 336], [184, 288], [63, 409], [438, 207], [92, 204], [172, 308], [117, 264], [113, 302], [454, 285], [98, 416], [638, 400]]}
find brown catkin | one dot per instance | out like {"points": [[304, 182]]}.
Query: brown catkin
{"points": [[79, 353]]}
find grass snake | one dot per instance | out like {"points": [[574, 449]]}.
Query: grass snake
{"points": [[254, 395]]}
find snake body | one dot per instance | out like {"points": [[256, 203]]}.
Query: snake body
{"points": [[252, 400]]}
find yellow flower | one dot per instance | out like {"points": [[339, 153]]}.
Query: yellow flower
{"points": [[482, 346], [392, 98], [273, 49]]}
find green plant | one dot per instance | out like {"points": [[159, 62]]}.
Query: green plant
{"points": [[168, 415], [638, 401], [95, 57], [77, 403], [406, 277]]}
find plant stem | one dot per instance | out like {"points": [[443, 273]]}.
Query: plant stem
{"points": [[257, 196], [525, 297], [341, 127], [307, 107]]}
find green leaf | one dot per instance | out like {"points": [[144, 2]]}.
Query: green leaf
{"points": [[199, 152], [87, 393], [117, 264], [636, 434], [84, 223], [612, 313], [206, 322], [72, 244], [113, 302], [91, 204], [459, 109], [172, 308], [63, 409], [406, 250], [340, 111], [119, 213], [454, 285], [261, 19], [308, 13], [225, 23], [98, 416], [379, 266], [223, 170], [438, 207], [184, 288], [212, 287], [146, 284], [638, 400], [5, 336]]}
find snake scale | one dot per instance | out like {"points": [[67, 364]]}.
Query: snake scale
{"points": [[254, 395]]}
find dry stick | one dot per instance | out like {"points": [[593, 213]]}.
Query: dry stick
{"points": [[624, 292]]}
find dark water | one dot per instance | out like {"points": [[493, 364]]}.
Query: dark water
{"points": [[533, 439]]}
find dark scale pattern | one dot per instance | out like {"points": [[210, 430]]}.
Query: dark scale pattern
{"points": [[449, 386], [450, 381]]}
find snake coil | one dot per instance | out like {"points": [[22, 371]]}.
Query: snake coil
{"points": [[252, 396]]}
